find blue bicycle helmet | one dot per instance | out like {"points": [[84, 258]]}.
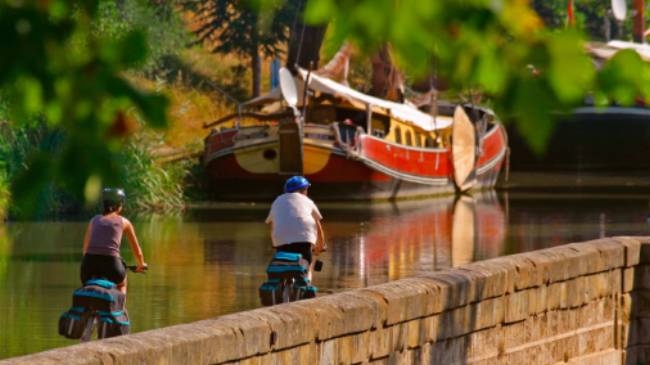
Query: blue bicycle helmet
{"points": [[295, 183]]}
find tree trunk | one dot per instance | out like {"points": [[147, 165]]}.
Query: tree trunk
{"points": [[639, 21], [256, 64], [387, 80], [304, 43]]}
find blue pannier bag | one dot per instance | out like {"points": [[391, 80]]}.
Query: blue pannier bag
{"points": [[271, 292], [96, 296], [287, 265], [302, 289]]}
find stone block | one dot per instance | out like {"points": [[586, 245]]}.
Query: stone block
{"points": [[222, 342], [595, 340], [422, 356], [517, 334], [406, 299], [455, 288], [607, 357], [415, 334], [74, 355], [254, 329], [328, 352], [154, 347], [327, 318], [517, 306], [430, 328], [628, 279], [456, 322], [527, 273], [288, 326], [359, 313], [632, 247], [377, 303], [492, 279], [354, 349], [537, 299], [304, 354], [451, 351], [483, 344], [380, 343], [488, 313], [612, 252], [577, 292]]}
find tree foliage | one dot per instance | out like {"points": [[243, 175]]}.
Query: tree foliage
{"points": [[56, 70], [159, 21], [235, 26], [499, 47]]}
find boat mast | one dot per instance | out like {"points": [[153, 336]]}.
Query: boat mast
{"points": [[570, 14], [639, 21]]}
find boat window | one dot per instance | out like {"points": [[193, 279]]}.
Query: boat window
{"points": [[380, 124], [418, 139], [398, 135], [429, 142], [409, 138], [355, 117]]}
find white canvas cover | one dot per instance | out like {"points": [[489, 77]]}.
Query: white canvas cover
{"points": [[608, 50], [403, 112]]}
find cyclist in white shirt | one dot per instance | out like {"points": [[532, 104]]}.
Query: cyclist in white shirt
{"points": [[295, 221]]}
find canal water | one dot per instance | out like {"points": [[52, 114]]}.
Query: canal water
{"points": [[211, 261]]}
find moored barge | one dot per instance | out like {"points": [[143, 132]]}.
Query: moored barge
{"points": [[351, 146]]}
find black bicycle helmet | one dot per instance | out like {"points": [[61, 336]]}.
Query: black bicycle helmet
{"points": [[113, 198]]}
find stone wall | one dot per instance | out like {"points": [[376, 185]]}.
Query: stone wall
{"points": [[581, 303]]}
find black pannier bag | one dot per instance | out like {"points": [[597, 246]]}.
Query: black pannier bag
{"points": [[113, 324], [73, 322], [271, 292], [97, 296], [302, 289]]}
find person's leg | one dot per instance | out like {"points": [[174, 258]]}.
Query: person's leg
{"points": [[122, 286]]}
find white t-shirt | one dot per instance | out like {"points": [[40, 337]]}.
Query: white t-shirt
{"points": [[294, 219]]}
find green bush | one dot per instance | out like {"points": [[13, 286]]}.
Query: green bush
{"points": [[149, 186]]}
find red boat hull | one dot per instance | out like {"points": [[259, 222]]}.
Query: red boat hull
{"points": [[378, 170]]}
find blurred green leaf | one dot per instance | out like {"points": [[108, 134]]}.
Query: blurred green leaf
{"points": [[571, 72]]}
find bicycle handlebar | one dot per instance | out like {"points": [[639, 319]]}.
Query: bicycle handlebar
{"points": [[133, 268]]}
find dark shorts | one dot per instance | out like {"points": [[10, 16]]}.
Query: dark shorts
{"points": [[303, 248], [102, 266]]}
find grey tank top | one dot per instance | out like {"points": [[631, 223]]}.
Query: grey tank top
{"points": [[106, 235]]}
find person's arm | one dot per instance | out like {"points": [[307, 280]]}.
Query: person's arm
{"points": [[135, 246], [320, 240], [86, 243]]}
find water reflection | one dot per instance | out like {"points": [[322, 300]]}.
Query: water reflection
{"points": [[412, 238], [212, 261]]}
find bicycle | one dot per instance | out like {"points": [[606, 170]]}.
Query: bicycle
{"points": [[287, 279], [97, 304]]}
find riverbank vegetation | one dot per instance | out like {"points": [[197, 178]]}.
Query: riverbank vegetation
{"points": [[91, 92]]}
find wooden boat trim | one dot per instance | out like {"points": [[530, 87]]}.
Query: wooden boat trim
{"points": [[259, 116]]}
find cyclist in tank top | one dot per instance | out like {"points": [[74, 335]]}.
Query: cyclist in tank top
{"points": [[101, 245]]}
